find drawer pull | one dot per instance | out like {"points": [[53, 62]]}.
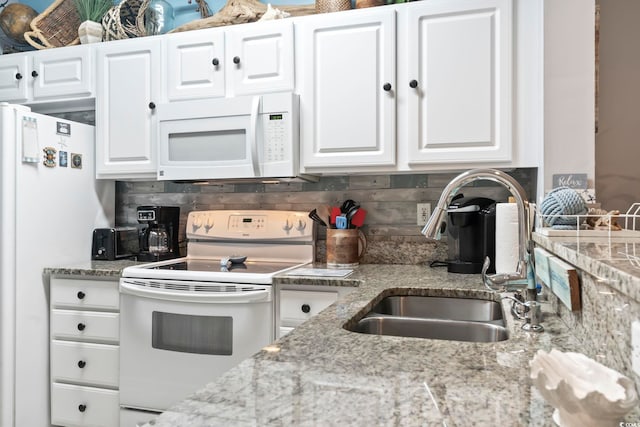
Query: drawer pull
{"points": [[82, 407], [81, 364], [305, 308], [81, 326], [80, 295]]}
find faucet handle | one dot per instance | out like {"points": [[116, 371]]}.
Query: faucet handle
{"points": [[485, 278]]}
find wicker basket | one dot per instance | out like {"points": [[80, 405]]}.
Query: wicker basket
{"points": [[57, 26], [324, 6], [125, 20]]}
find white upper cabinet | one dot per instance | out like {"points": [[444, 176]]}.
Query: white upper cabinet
{"points": [[346, 72], [47, 75], [194, 63], [458, 81], [128, 82], [14, 73], [241, 60], [259, 57]]}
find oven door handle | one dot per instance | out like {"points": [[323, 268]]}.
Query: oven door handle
{"points": [[244, 297]]}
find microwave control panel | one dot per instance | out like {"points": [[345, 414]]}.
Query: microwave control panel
{"points": [[276, 135]]}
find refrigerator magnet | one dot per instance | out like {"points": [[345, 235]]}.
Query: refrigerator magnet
{"points": [[76, 161], [63, 128], [49, 157], [63, 159]]}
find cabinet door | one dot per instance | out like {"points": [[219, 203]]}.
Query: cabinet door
{"points": [[73, 405], [259, 58], [458, 81], [62, 73], [13, 77], [347, 96], [127, 86], [194, 62]]}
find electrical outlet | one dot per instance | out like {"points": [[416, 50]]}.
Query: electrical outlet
{"points": [[635, 346], [424, 212]]}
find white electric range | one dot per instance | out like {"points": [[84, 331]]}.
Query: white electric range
{"points": [[186, 321]]}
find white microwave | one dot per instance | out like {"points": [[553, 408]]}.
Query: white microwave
{"points": [[229, 138]]}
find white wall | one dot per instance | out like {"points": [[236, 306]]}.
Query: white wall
{"points": [[569, 88]]}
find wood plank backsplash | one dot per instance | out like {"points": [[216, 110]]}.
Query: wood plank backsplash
{"points": [[390, 200]]}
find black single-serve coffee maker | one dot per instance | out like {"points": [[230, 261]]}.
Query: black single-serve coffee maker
{"points": [[159, 237], [471, 231]]}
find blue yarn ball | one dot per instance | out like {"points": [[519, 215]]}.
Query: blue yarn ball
{"points": [[560, 202]]}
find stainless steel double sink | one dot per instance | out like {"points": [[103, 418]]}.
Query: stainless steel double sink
{"points": [[443, 318]]}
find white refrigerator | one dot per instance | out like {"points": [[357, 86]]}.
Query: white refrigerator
{"points": [[50, 202]]}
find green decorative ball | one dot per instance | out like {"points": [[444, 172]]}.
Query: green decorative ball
{"points": [[15, 19]]}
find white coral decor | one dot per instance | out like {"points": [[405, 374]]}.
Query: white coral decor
{"points": [[273, 13], [584, 392]]}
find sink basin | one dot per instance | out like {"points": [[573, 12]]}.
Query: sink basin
{"points": [[477, 310], [437, 329], [443, 318]]}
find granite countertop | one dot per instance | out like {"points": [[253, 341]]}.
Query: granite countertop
{"points": [[322, 374], [92, 268], [613, 260]]}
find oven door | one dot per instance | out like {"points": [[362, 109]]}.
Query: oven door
{"points": [[173, 341]]}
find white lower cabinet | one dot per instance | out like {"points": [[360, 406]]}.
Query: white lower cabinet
{"points": [[84, 352], [299, 303], [73, 405]]}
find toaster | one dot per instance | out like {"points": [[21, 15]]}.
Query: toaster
{"points": [[114, 243]]}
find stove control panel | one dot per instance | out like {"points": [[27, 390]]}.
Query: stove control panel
{"points": [[249, 225]]}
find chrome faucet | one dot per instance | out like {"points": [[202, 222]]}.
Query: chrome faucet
{"points": [[524, 271]]}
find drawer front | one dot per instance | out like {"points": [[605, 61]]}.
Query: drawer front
{"points": [[73, 405], [298, 306], [90, 364], [85, 325], [85, 294]]}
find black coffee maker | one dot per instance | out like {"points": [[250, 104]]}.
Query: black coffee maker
{"points": [[471, 231], [159, 237]]}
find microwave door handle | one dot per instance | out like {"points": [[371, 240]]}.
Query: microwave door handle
{"points": [[253, 134]]}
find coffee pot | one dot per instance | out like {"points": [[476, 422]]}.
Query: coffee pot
{"points": [[159, 237]]}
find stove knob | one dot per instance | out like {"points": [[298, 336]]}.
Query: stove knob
{"points": [[197, 223], [288, 225], [301, 225], [208, 224]]}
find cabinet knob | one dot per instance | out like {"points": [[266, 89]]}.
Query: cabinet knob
{"points": [[82, 407], [305, 308], [34, 73], [152, 105], [81, 364], [80, 295], [236, 60], [386, 87], [413, 84], [215, 61], [18, 76], [81, 326]]}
